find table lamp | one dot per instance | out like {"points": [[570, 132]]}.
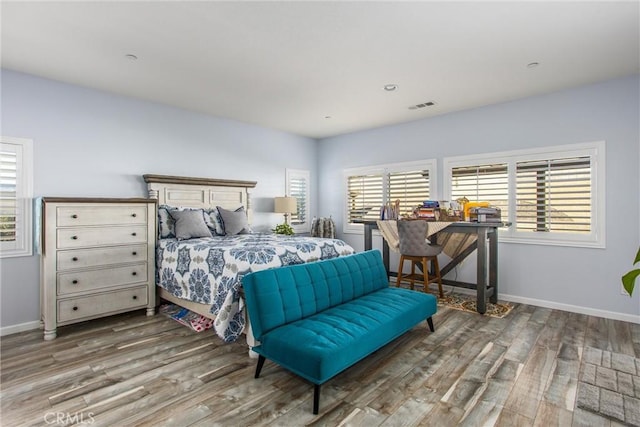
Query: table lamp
{"points": [[286, 205]]}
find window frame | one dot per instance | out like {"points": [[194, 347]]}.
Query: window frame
{"points": [[291, 174], [23, 245], [384, 169], [595, 150]]}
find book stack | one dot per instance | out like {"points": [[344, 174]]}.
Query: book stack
{"points": [[429, 210]]}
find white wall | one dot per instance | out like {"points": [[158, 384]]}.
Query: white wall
{"points": [[89, 143], [576, 279]]}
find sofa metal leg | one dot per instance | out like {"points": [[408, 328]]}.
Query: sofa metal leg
{"points": [[261, 360], [430, 322], [316, 398]]}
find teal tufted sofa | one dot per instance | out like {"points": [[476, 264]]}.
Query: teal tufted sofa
{"points": [[317, 319]]}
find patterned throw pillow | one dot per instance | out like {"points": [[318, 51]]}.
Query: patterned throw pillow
{"points": [[234, 222], [166, 224], [213, 221], [189, 224]]}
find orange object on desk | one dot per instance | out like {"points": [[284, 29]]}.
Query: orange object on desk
{"points": [[469, 205]]}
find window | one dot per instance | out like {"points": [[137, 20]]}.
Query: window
{"points": [[298, 186], [551, 196], [488, 183], [16, 192], [369, 189]]}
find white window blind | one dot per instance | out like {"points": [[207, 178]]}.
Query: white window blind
{"points": [[554, 195], [8, 194], [411, 188], [364, 197], [16, 169], [482, 183], [369, 189], [551, 195], [297, 185]]}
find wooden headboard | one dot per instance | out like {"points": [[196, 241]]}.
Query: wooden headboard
{"points": [[200, 192]]}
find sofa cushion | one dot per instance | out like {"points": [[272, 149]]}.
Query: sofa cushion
{"points": [[320, 346], [283, 295]]}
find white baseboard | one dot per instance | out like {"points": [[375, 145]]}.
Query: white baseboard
{"points": [[572, 308], [13, 329], [550, 304]]}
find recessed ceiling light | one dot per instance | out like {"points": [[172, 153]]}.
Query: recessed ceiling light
{"points": [[391, 87], [131, 56], [532, 64]]}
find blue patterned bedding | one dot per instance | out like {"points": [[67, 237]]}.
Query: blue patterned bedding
{"points": [[210, 270]]}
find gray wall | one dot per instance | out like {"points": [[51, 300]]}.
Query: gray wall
{"points": [[550, 275], [94, 144]]}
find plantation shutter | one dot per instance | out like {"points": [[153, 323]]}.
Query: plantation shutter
{"points": [[8, 194], [411, 188], [482, 183], [364, 197], [299, 188], [554, 195]]}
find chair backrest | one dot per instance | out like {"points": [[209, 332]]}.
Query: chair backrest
{"points": [[412, 235]]}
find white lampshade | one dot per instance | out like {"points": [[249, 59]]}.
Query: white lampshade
{"points": [[285, 205]]}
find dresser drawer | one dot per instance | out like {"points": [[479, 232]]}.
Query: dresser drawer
{"points": [[70, 216], [79, 281], [82, 258], [98, 304], [100, 236]]}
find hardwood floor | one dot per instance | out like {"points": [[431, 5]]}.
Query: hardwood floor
{"points": [[473, 371]]}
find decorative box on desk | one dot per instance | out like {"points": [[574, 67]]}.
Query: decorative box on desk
{"points": [[97, 259]]}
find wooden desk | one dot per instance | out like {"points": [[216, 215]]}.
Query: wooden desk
{"points": [[487, 258]]}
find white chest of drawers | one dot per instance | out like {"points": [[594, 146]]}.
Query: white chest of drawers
{"points": [[97, 259]]}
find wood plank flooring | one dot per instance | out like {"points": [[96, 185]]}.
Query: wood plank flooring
{"points": [[131, 370]]}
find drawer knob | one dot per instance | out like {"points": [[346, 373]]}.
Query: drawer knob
{"points": [[74, 237], [74, 216], [74, 281], [134, 215], [75, 258], [135, 297], [75, 308], [134, 253], [133, 234], [134, 274]]}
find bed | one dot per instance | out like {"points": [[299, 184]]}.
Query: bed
{"points": [[204, 274]]}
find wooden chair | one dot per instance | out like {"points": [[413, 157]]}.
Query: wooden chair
{"points": [[414, 247]]}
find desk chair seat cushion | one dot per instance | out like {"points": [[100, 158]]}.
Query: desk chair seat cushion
{"points": [[412, 236]]}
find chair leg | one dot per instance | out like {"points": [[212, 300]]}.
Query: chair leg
{"points": [[425, 274], [413, 273], [261, 360], [437, 271], [399, 277], [316, 398]]}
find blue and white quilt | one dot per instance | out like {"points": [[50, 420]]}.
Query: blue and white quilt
{"points": [[210, 270]]}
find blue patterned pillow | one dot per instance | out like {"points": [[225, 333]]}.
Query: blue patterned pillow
{"points": [[166, 224], [213, 221]]}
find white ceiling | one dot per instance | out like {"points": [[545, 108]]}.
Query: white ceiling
{"points": [[288, 65]]}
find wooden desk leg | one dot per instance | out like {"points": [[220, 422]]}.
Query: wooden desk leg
{"points": [[493, 265], [482, 270], [368, 244]]}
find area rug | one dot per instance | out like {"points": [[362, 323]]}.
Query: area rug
{"points": [[186, 317], [609, 385], [468, 303]]}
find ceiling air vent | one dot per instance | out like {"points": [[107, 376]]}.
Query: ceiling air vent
{"points": [[424, 104]]}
